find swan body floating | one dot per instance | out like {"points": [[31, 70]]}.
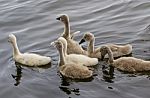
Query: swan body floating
{"points": [[77, 58], [69, 69], [28, 59], [127, 64], [118, 50], [73, 46]]}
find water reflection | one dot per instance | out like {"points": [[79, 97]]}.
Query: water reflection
{"points": [[18, 75], [68, 90], [108, 73], [66, 82], [65, 87], [19, 68]]}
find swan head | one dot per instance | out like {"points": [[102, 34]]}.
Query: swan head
{"points": [[57, 44], [63, 40], [87, 37], [63, 18], [11, 38], [104, 50]]}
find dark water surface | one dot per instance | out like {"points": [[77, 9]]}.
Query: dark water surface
{"points": [[34, 24]]}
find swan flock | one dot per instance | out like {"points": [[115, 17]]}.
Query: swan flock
{"points": [[74, 61]]}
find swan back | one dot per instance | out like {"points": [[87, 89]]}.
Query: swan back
{"points": [[127, 49], [83, 59], [131, 64], [120, 50], [30, 59], [75, 71]]}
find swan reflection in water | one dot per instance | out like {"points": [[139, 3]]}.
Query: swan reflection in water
{"points": [[66, 82], [18, 75], [108, 76], [108, 73], [19, 68]]}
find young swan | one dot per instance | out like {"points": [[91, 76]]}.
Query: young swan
{"points": [[77, 58], [118, 50], [73, 46], [28, 59], [69, 69], [127, 64]]}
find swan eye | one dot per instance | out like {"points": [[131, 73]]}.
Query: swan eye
{"points": [[59, 44], [9, 40], [86, 36], [62, 19]]}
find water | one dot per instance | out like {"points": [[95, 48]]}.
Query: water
{"points": [[34, 24]]}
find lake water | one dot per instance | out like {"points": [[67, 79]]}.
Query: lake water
{"points": [[35, 26]]}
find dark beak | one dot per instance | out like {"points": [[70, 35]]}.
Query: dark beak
{"points": [[58, 18], [82, 41], [102, 57], [52, 44], [9, 40]]}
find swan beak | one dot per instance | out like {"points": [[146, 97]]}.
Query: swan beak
{"points": [[58, 18], [102, 57], [52, 44], [9, 40], [82, 41]]}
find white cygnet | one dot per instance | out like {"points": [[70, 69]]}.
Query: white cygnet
{"points": [[28, 59]]}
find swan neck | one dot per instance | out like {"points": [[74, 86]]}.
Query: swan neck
{"points": [[110, 56], [67, 29], [91, 46], [15, 49], [65, 49], [61, 58]]}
